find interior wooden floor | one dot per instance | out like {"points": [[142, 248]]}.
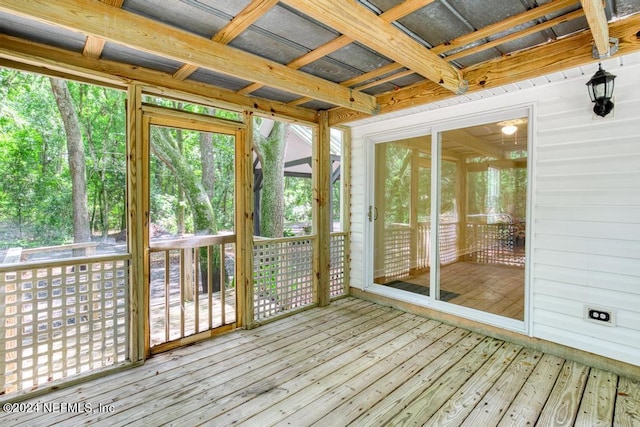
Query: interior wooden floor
{"points": [[497, 289], [352, 363], [494, 288]]}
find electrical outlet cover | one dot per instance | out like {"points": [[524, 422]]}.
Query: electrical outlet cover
{"points": [[600, 315]]}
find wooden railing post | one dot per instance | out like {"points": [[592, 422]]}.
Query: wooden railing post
{"points": [[244, 223], [322, 218], [136, 222]]}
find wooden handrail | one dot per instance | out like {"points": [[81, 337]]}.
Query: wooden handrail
{"points": [[59, 248], [12, 268], [264, 240], [191, 242]]}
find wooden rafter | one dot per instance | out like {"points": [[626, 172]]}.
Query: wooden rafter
{"points": [[498, 27], [237, 25], [119, 26], [355, 81], [486, 32], [517, 35], [594, 11], [569, 52], [308, 58], [373, 74], [474, 144], [393, 14], [363, 26], [94, 45], [386, 79]]}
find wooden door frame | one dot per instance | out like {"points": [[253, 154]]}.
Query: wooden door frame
{"points": [[153, 115]]}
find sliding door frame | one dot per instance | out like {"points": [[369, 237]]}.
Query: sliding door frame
{"points": [[436, 130]]}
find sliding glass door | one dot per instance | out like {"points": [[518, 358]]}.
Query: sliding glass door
{"points": [[483, 209], [475, 240], [401, 214]]}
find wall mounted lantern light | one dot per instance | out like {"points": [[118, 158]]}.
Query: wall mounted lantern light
{"points": [[601, 90]]}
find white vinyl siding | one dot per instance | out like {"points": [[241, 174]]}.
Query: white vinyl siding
{"points": [[585, 212], [587, 218]]}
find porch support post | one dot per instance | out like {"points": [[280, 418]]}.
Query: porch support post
{"points": [[136, 226], [244, 223], [413, 213], [345, 210], [322, 194], [463, 244]]}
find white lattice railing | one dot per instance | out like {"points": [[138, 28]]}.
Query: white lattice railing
{"points": [[397, 248], [496, 244], [448, 242], [282, 274], [397, 244], [337, 271], [62, 318]]}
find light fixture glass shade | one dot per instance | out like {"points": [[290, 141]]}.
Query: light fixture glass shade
{"points": [[509, 129], [601, 90]]}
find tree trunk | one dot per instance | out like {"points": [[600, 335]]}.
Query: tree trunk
{"points": [[75, 149], [271, 151], [180, 210], [207, 158], [194, 191]]}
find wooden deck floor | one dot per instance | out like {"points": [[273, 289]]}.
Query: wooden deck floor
{"points": [[352, 363]]}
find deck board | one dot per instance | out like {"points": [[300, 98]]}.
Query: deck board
{"points": [[596, 408], [531, 398], [351, 363], [239, 377], [422, 408], [385, 410], [627, 407], [491, 409], [562, 406], [357, 376], [356, 401], [330, 360]]}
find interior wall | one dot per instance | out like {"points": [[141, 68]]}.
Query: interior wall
{"points": [[585, 216]]}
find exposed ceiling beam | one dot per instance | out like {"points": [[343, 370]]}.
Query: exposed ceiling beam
{"points": [[94, 45], [505, 25], [386, 79], [373, 74], [58, 62], [597, 19], [355, 81], [237, 25], [403, 9], [410, 6], [499, 164], [519, 34], [365, 27], [470, 142], [137, 32], [569, 52]]}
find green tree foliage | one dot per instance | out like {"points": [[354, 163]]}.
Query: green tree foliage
{"points": [[35, 190], [398, 184], [297, 199]]}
